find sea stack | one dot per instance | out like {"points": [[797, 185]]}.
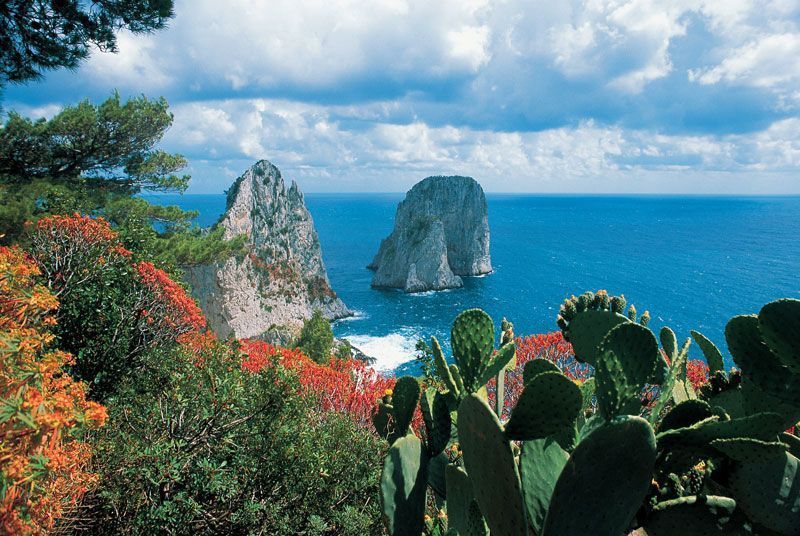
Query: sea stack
{"points": [[441, 232], [278, 282]]}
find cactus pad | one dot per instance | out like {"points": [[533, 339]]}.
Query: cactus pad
{"points": [[685, 414], [769, 492], [669, 343], [403, 484], [694, 516], [779, 322], [436, 414], [627, 357], [537, 366], [710, 352], [608, 482], [549, 404], [404, 401], [489, 461], [747, 450], [540, 465], [472, 340], [588, 328]]}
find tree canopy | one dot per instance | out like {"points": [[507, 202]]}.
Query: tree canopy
{"points": [[109, 146], [39, 35]]}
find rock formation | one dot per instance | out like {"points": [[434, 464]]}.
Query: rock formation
{"points": [[280, 280], [441, 232]]}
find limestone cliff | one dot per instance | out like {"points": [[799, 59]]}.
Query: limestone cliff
{"points": [[441, 232], [281, 279]]}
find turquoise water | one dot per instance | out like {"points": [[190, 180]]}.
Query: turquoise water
{"points": [[693, 262]]}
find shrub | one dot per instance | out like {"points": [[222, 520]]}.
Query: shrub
{"points": [[113, 309], [343, 386], [316, 338], [213, 446], [43, 412]]}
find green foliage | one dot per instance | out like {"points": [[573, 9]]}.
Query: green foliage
{"points": [[316, 338], [36, 36], [208, 449]]}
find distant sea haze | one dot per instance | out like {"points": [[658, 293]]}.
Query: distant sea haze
{"points": [[693, 262]]}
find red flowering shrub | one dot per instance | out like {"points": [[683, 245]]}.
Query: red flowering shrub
{"points": [[343, 385], [166, 309], [71, 250], [112, 308], [42, 409], [550, 346]]}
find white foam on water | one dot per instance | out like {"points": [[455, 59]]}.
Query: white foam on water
{"points": [[390, 351], [357, 315]]}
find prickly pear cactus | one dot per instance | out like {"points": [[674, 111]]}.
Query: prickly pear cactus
{"points": [[540, 464], [609, 482], [550, 403], [436, 414], [537, 366], [703, 515], [710, 352], [769, 492], [489, 461], [627, 358], [404, 482]]}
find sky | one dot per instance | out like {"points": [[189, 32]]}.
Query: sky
{"points": [[636, 96]]}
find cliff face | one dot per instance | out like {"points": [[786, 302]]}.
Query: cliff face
{"points": [[441, 232], [281, 279]]}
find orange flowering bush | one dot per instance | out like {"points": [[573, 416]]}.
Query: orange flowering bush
{"points": [[71, 250], [113, 308], [42, 410], [166, 308], [342, 385]]}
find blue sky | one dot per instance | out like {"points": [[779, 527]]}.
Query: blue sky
{"points": [[651, 96]]}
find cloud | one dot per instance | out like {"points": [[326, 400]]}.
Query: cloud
{"points": [[315, 144], [529, 94]]}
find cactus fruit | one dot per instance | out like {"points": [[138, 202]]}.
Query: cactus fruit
{"points": [[769, 492], [540, 464], [403, 486], [627, 358], [699, 515], [710, 352], [489, 461], [608, 481], [550, 403]]}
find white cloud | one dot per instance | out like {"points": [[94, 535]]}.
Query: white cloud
{"points": [[771, 61], [313, 142]]}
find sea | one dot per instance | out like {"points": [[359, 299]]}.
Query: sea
{"points": [[692, 261]]}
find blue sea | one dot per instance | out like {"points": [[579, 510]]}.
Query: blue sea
{"points": [[693, 262]]}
